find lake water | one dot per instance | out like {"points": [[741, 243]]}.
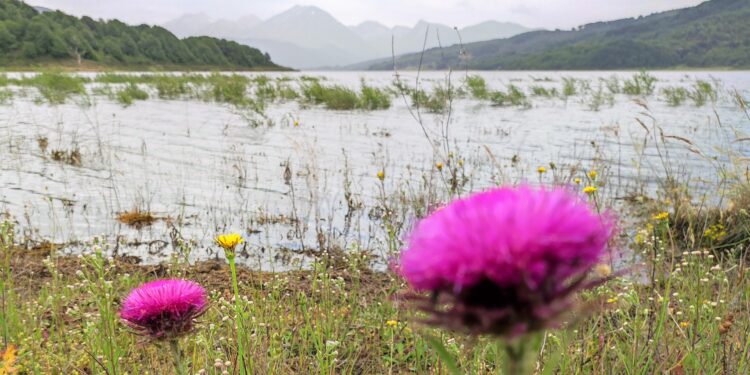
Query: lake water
{"points": [[202, 165]]}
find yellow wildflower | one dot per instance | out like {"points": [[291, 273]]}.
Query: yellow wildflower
{"points": [[715, 232], [577, 181], [229, 241], [661, 216], [391, 323], [590, 189], [381, 175], [593, 174], [296, 123], [460, 162], [612, 300], [684, 324], [541, 170], [642, 235], [439, 166], [8, 360]]}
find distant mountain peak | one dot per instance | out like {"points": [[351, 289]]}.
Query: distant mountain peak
{"points": [[306, 10]]}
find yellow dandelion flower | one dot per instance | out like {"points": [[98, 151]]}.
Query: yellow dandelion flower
{"points": [[661, 216], [577, 181], [391, 323], [229, 241], [439, 166], [541, 170], [590, 189], [381, 175], [593, 174]]}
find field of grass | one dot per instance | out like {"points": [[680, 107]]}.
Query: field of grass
{"points": [[680, 306]]}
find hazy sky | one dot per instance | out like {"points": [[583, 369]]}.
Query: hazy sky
{"points": [[536, 13]]}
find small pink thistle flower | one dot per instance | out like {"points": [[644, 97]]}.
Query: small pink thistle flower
{"points": [[164, 309], [505, 262]]}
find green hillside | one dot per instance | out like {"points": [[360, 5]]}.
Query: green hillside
{"points": [[28, 37], [713, 34]]}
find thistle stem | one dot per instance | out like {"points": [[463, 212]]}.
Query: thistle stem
{"points": [[522, 355], [179, 365]]}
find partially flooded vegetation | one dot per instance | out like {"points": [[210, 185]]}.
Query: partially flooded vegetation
{"points": [[113, 180]]}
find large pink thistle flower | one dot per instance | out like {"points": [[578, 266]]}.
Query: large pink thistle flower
{"points": [[164, 309], [506, 261]]}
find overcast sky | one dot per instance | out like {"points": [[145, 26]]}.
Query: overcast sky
{"points": [[535, 13]]}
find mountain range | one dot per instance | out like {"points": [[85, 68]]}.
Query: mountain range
{"points": [[715, 33], [306, 37]]}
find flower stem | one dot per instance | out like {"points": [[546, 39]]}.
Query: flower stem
{"points": [[238, 317], [179, 365], [522, 355]]}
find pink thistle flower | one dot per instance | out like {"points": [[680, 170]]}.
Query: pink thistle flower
{"points": [[164, 309], [507, 261]]}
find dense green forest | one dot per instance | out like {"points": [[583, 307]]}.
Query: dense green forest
{"points": [[715, 33], [28, 36]]}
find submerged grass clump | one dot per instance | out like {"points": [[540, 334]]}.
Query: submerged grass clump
{"points": [[71, 157], [229, 89], [477, 87], [514, 96], [129, 94], [675, 96], [641, 84], [337, 97], [6, 95], [542, 91], [137, 218], [56, 88], [373, 98]]}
